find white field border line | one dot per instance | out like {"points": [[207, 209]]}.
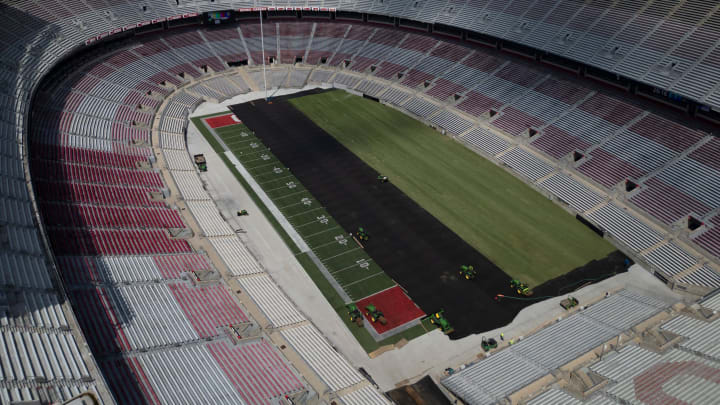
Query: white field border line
{"points": [[326, 243], [324, 230], [285, 187], [261, 166], [314, 221], [351, 266], [340, 254], [291, 194], [276, 179], [364, 279], [300, 243], [269, 204], [300, 213]]}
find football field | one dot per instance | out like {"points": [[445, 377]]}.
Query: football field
{"points": [[349, 264], [353, 270], [517, 228], [317, 157]]}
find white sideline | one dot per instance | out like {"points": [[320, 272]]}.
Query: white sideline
{"points": [[268, 203]]}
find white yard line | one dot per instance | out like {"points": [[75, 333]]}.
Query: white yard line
{"points": [[297, 239], [340, 254]]}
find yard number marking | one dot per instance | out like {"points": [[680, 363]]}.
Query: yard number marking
{"points": [[265, 156], [254, 145], [306, 201], [363, 264], [323, 219], [277, 170], [341, 239], [291, 185]]}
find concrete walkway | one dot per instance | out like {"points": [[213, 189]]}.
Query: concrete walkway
{"points": [[431, 353]]}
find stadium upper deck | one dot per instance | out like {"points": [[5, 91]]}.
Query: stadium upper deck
{"points": [[670, 44]]}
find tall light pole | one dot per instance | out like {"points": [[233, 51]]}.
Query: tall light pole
{"points": [[262, 45]]}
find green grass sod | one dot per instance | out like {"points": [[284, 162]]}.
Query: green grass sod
{"points": [[350, 258], [266, 174], [321, 235], [369, 286], [309, 221], [363, 265], [356, 274], [284, 192], [330, 250], [427, 324], [294, 205], [261, 162], [254, 158], [520, 230], [289, 183]]}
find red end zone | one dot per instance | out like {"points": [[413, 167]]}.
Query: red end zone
{"points": [[222, 121], [397, 307]]}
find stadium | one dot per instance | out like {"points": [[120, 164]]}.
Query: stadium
{"points": [[359, 202]]}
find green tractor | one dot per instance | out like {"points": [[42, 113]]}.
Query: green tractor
{"points": [[569, 302], [242, 213], [361, 234], [200, 162], [382, 179], [355, 314], [521, 288], [375, 315], [489, 344], [438, 319], [468, 272]]}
